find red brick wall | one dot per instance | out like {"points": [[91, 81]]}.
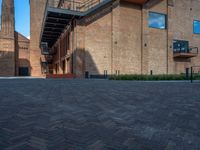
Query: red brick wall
{"points": [[7, 46], [22, 45]]}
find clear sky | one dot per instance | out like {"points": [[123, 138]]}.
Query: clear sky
{"points": [[22, 17]]}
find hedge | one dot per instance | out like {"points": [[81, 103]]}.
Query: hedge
{"points": [[151, 77]]}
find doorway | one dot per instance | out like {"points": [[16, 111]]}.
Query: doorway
{"points": [[23, 71], [64, 66]]}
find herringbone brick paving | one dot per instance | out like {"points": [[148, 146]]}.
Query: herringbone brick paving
{"points": [[99, 115]]}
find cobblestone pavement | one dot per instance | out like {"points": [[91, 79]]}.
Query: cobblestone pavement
{"points": [[39, 114]]}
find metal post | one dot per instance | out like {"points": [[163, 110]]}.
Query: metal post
{"points": [[191, 76], [87, 75], [105, 73], [187, 73]]}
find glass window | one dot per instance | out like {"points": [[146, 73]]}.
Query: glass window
{"points": [[196, 26], [180, 46], [157, 20], [0, 12]]}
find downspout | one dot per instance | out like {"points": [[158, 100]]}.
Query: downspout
{"points": [[167, 37], [112, 39], [59, 59], [72, 55], [142, 39], [75, 50]]}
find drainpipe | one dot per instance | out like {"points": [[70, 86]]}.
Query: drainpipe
{"points": [[111, 39], [142, 39], [167, 38], [72, 51], [59, 59]]}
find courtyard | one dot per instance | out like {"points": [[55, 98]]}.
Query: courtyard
{"points": [[45, 114]]}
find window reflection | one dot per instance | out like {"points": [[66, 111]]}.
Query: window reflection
{"points": [[157, 20], [196, 26]]}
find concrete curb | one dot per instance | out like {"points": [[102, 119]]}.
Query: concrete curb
{"points": [[6, 78]]}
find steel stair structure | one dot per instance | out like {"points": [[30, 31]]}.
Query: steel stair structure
{"points": [[56, 19]]}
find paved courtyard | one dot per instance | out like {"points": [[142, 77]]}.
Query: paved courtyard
{"points": [[39, 114]]}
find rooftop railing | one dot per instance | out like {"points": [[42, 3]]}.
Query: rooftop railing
{"points": [[78, 5]]}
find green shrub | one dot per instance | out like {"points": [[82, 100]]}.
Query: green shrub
{"points": [[196, 76], [150, 77]]}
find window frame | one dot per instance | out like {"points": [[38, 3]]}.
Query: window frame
{"points": [[166, 20], [184, 46], [194, 27]]}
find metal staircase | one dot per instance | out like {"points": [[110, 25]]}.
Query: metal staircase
{"points": [[60, 15]]}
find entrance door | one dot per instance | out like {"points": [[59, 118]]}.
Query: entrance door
{"points": [[68, 66], [64, 67], [23, 71]]}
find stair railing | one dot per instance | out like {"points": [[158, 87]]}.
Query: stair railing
{"points": [[77, 5]]}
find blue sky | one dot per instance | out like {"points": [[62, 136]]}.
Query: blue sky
{"points": [[22, 17]]}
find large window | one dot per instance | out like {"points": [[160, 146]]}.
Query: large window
{"points": [[0, 12], [180, 46], [196, 26], [157, 20]]}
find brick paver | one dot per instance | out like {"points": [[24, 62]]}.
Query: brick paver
{"points": [[43, 114]]}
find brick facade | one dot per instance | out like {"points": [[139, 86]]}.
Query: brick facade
{"points": [[37, 8], [22, 53], [14, 47], [113, 39], [117, 39], [36, 15], [7, 44]]}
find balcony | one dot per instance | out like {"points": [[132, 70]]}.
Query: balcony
{"points": [[182, 49], [192, 52], [59, 18]]}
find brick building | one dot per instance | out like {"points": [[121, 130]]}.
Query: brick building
{"points": [[14, 47], [22, 52], [124, 37], [97, 37]]}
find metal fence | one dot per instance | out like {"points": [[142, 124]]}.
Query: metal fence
{"points": [[195, 74]]}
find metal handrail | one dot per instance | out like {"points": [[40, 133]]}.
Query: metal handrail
{"points": [[193, 50], [82, 3], [194, 75], [79, 6]]}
